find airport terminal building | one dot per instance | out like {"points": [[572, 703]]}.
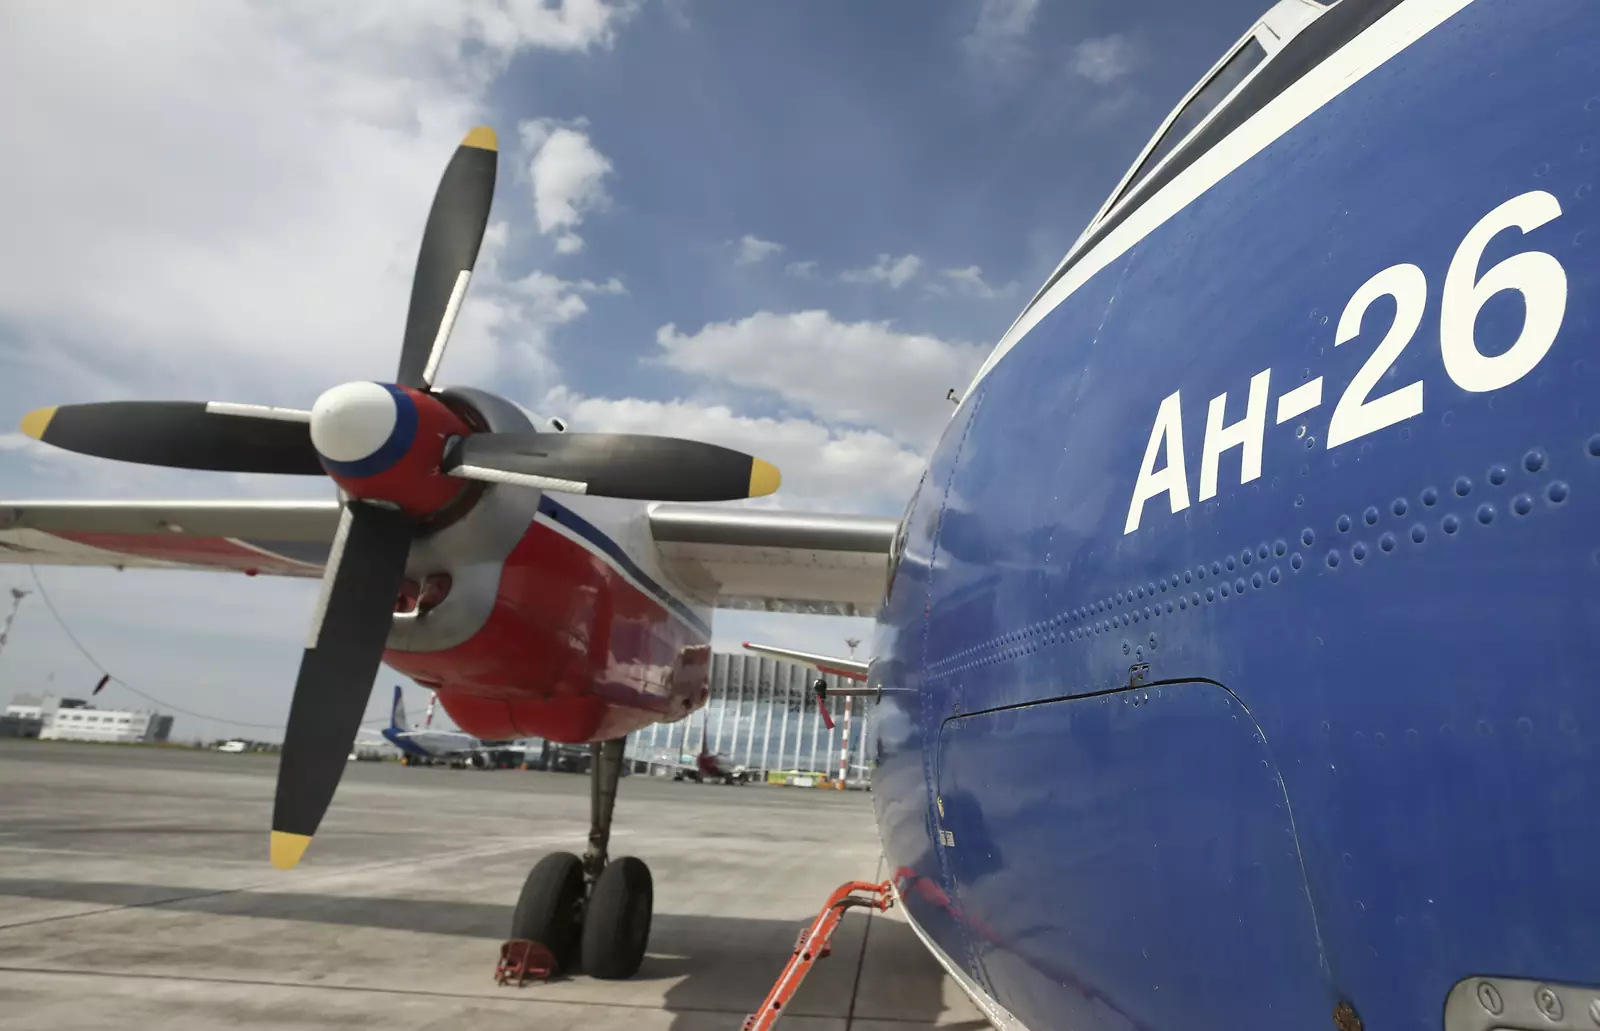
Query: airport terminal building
{"points": [[762, 715], [72, 719], [120, 726]]}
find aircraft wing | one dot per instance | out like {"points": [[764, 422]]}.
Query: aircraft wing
{"points": [[738, 558], [852, 669], [775, 561], [275, 538]]}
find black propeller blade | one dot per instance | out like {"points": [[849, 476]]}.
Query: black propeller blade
{"points": [[348, 632], [368, 560], [613, 465], [183, 434], [449, 251]]}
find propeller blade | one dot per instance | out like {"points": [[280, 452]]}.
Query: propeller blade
{"points": [[348, 633], [613, 465], [183, 434], [449, 251]]}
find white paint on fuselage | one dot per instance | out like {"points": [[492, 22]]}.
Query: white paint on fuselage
{"points": [[627, 523], [1368, 51]]}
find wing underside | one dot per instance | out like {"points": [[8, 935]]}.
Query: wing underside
{"points": [[734, 558], [272, 538], [775, 561]]}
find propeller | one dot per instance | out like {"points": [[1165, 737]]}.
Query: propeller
{"points": [[367, 562], [183, 434], [348, 632], [613, 465], [449, 251], [397, 451]]}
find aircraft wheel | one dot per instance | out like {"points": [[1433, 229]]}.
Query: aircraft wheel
{"points": [[550, 909], [616, 928]]}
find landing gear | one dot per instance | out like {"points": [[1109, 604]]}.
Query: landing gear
{"points": [[550, 909], [617, 927], [589, 908]]}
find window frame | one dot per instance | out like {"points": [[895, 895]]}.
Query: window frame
{"points": [[1273, 31], [1131, 177]]}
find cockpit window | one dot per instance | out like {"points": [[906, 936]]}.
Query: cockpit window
{"points": [[1232, 72], [1294, 37], [897, 547]]}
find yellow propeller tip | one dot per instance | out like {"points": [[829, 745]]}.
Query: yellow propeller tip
{"points": [[483, 138], [37, 421], [288, 848], [764, 478]]}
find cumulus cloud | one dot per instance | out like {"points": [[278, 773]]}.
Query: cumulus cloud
{"points": [[866, 373], [801, 269], [895, 272], [521, 326], [225, 200], [970, 281], [823, 468], [999, 39], [568, 177], [553, 301], [269, 252], [753, 250], [1104, 59]]}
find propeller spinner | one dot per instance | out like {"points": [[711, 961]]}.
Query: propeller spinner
{"points": [[399, 445]]}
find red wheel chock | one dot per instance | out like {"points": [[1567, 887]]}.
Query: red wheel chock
{"points": [[523, 959], [816, 942]]}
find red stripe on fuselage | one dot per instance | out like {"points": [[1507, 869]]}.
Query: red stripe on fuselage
{"points": [[572, 652]]}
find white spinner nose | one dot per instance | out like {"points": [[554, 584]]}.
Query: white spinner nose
{"points": [[353, 421]]}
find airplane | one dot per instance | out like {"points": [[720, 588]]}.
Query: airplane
{"points": [[1233, 656], [429, 745], [448, 555], [707, 767]]}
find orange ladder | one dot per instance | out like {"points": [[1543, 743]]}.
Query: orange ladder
{"points": [[814, 943]]}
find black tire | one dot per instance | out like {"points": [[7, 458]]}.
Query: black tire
{"points": [[550, 909], [616, 929]]}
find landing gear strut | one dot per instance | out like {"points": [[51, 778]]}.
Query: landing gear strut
{"points": [[590, 909]]}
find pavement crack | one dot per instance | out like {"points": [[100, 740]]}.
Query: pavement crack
{"points": [[118, 909], [861, 959]]}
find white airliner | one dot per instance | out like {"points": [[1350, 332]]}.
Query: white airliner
{"points": [[423, 743]]}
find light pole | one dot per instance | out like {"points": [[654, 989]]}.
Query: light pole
{"points": [[844, 745]]}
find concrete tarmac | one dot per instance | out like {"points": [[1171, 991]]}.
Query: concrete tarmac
{"points": [[135, 892]]}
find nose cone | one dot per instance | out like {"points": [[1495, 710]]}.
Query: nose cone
{"points": [[360, 429]]}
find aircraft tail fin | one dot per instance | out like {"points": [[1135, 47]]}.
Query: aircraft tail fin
{"points": [[397, 715]]}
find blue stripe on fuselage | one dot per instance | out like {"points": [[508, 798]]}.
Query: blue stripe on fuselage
{"points": [[405, 744], [589, 532]]}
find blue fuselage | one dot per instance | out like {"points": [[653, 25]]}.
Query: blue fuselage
{"points": [[1193, 721]]}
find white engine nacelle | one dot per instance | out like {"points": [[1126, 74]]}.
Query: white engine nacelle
{"points": [[542, 424]]}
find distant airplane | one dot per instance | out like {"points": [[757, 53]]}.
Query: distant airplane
{"points": [[1235, 655], [707, 767], [432, 745]]}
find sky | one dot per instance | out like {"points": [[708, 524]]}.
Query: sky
{"points": [[788, 227]]}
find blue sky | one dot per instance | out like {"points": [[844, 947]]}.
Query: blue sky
{"points": [[785, 226]]}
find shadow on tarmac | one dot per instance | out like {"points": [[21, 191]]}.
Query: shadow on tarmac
{"points": [[713, 959]]}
